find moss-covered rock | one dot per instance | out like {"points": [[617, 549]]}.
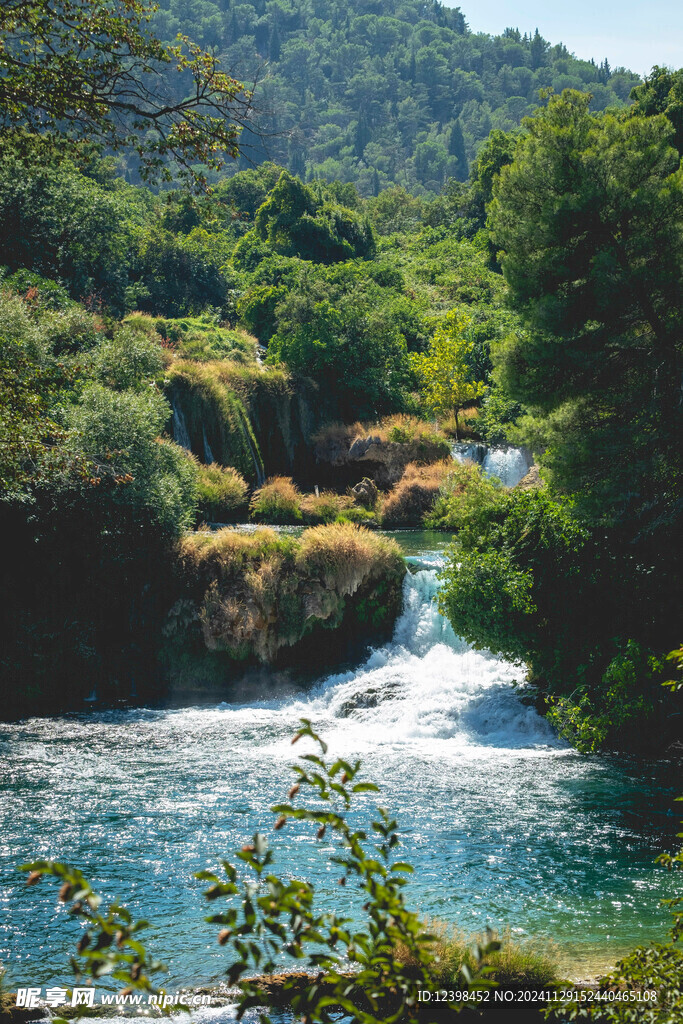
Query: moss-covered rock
{"points": [[259, 597]]}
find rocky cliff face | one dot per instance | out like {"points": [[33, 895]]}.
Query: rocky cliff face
{"points": [[258, 421], [371, 456], [264, 598]]}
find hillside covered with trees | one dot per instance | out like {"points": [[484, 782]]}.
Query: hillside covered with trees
{"points": [[380, 93]]}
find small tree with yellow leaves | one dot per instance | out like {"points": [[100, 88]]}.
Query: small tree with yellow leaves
{"points": [[444, 371]]}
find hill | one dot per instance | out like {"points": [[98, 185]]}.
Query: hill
{"points": [[381, 92]]}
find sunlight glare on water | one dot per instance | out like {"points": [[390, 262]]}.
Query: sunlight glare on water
{"points": [[505, 824]]}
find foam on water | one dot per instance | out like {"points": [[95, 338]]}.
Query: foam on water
{"points": [[504, 823], [428, 684]]}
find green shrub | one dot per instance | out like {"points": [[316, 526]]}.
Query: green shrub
{"points": [[620, 710], [325, 507], [278, 501], [465, 495], [129, 360], [222, 493]]}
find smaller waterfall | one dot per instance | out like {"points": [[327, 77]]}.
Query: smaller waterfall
{"points": [[208, 454], [504, 462], [181, 434]]}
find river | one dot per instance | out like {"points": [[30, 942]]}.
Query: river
{"points": [[505, 824]]}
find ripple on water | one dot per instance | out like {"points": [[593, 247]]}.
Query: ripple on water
{"points": [[505, 825]]}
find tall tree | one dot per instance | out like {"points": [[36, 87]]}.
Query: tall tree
{"points": [[589, 221], [76, 70]]}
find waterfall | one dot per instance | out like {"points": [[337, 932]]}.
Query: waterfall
{"points": [[505, 462], [208, 454], [428, 684], [181, 434]]}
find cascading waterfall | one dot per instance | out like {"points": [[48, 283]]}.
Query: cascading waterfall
{"points": [[428, 684], [181, 434], [505, 462], [504, 823]]}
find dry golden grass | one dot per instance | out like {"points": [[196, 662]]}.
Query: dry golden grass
{"points": [[400, 428], [343, 554], [413, 496], [225, 550], [278, 501]]}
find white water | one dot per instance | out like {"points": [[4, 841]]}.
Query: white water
{"points": [[504, 824], [427, 685], [505, 462]]}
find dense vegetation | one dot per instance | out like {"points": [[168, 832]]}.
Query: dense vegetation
{"points": [[381, 93]]}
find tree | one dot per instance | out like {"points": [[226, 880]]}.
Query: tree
{"points": [[444, 370], [662, 93], [78, 71], [589, 218]]}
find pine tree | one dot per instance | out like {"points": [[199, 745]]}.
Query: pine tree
{"points": [[456, 148]]}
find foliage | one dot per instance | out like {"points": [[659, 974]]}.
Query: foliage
{"points": [[276, 916], [296, 224], [464, 496], [222, 493], [411, 499], [179, 274], [588, 219], [357, 357], [75, 73], [380, 95], [277, 501], [325, 507], [443, 370], [613, 715], [132, 469], [128, 360], [110, 944]]}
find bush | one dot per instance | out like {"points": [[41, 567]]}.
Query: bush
{"points": [[325, 507], [464, 496], [617, 712], [132, 469], [342, 554], [413, 496], [129, 360], [222, 493], [278, 501]]}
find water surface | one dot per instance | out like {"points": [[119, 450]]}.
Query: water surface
{"points": [[505, 824]]}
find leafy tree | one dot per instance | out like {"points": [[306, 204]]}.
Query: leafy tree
{"points": [[295, 223], [77, 72], [444, 370], [356, 355], [662, 93], [588, 219]]}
